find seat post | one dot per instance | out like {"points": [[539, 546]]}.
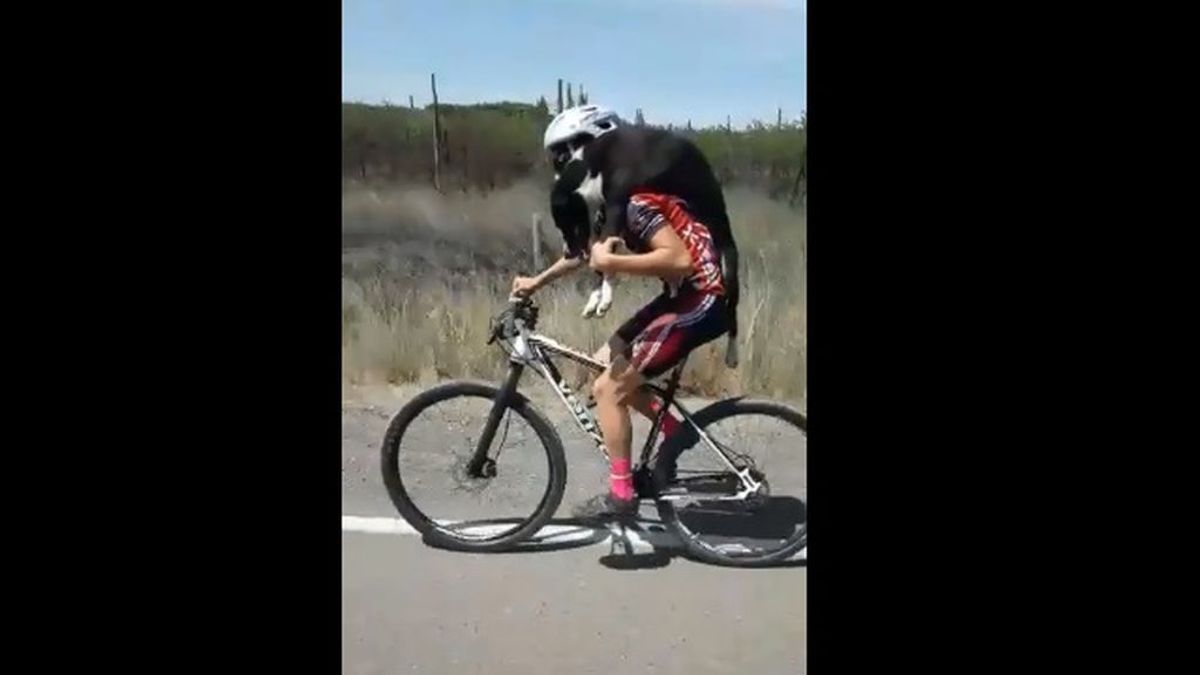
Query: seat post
{"points": [[673, 382], [656, 423]]}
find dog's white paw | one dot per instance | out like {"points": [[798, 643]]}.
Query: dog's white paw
{"points": [[606, 298], [592, 305]]}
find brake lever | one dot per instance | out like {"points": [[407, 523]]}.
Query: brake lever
{"points": [[507, 324]]}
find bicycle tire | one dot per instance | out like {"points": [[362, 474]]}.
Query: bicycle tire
{"points": [[706, 416], [430, 530]]}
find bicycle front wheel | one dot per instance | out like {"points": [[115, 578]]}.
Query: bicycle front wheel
{"points": [[707, 509], [425, 457]]}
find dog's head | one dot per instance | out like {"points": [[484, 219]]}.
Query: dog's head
{"points": [[568, 152], [575, 201], [571, 217]]}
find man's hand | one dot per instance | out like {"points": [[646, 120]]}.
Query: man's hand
{"points": [[524, 286], [602, 253]]}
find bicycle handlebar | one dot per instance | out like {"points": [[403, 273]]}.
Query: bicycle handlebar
{"points": [[521, 308]]}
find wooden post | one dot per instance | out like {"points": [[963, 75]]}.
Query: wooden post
{"points": [[411, 105], [570, 98], [537, 243], [728, 125], [437, 136], [560, 99], [779, 118]]}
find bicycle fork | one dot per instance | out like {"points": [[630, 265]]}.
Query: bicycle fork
{"points": [[481, 466]]}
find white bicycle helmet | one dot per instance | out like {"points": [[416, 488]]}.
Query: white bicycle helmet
{"points": [[572, 123]]}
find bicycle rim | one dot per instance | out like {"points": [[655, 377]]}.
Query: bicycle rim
{"points": [[768, 526], [425, 456]]}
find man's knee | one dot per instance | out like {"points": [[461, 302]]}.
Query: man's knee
{"points": [[617, 383], [603, 388]]}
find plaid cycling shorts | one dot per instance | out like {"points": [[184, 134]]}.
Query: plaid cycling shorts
{"points": [[666, 330]]}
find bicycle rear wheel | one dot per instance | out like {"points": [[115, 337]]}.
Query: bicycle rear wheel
{"points": [[768, 527], [425, 455]]}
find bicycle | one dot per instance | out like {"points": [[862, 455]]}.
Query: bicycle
{"points": [[731, 496]]}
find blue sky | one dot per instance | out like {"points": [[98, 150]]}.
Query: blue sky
{"points": [[675, 59]]}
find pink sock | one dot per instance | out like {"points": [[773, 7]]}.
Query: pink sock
{"points": [[669, 423], [620, 479]]}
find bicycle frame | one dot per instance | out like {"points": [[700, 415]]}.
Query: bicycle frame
{"points": [[533, 350]]}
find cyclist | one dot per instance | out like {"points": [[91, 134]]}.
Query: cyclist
{"points": [[655, 193]]}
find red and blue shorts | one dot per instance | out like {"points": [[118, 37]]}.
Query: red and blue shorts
{"points": [[663, 332]]}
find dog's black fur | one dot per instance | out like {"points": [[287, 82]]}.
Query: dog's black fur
{"points": [[629, 159]]}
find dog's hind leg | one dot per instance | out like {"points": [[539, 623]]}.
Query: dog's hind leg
{"points": [[600, 300], [606, 297]]}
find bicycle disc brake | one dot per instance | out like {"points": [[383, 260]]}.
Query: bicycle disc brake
{"points": [[468, 482], [477, 481]]}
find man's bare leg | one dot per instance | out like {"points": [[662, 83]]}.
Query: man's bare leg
{"points": [[640, 400], [613, 390]]}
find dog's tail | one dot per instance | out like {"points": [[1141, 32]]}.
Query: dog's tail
{"points": [[729, 270]]}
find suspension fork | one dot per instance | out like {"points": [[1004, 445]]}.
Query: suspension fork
{"points": [[507, 390]]}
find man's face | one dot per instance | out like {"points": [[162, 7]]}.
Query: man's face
{"points": [[561, 154]]}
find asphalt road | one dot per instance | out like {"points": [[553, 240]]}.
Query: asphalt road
{"points": [[572, 603]]}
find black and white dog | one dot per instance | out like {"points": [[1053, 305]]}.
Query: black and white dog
{"points": [[595, 180]]}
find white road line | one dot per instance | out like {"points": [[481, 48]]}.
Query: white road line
{"points": [[376, 525], [642, 539]]}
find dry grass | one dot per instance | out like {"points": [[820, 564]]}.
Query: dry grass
{"points": [[423, 273]]}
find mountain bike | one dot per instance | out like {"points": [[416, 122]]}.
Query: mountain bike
{"points": [[725, 506]]}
